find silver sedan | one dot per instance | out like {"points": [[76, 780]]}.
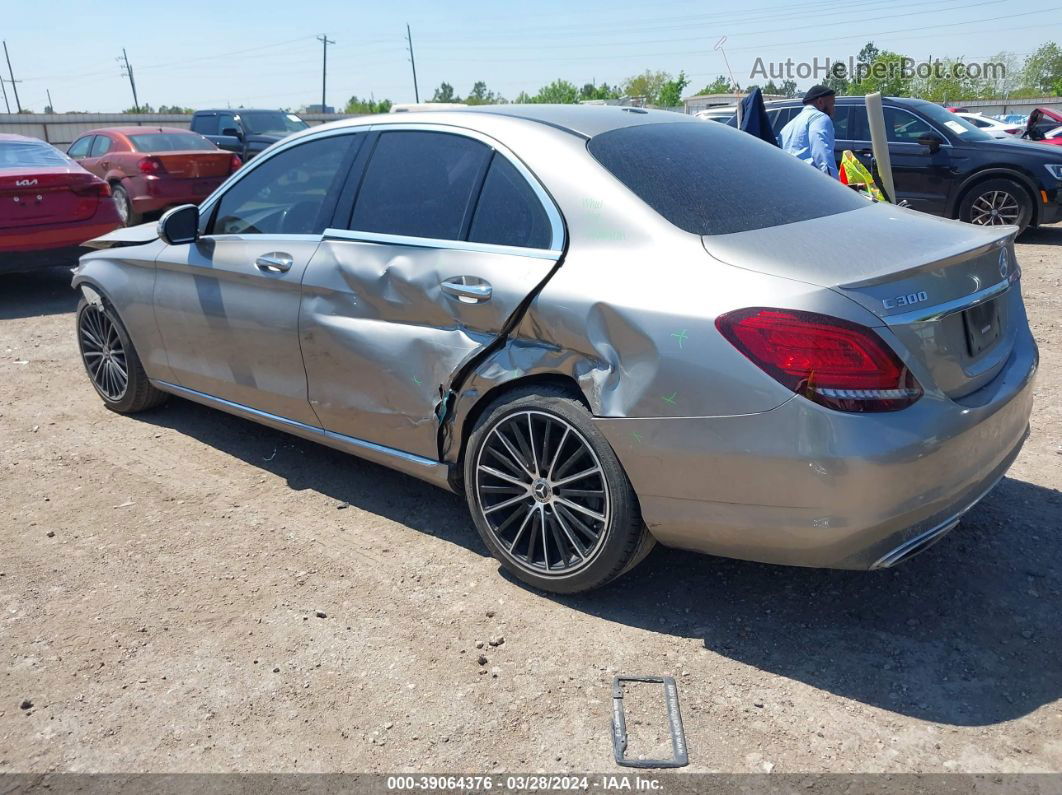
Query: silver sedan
{"points": [[605, 326]]}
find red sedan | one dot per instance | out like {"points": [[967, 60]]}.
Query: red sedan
{"points": [[49, 205], [152, 168]]}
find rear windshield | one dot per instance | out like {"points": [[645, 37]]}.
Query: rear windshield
{"points": [[19, 154], [170, 142], [710, 179]]}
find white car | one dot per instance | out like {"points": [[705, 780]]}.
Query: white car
{"points": [[724, 113], [996, 129]]}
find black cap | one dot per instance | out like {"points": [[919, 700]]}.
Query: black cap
{"points": [[817, 92]]}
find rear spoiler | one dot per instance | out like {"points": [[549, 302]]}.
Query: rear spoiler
{"points": [[126, 236]]}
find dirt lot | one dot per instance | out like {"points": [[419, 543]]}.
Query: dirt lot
{"points": [[187, 591]]}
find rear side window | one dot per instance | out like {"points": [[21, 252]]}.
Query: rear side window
{"points": [[287, 193], [509, 213], [101, 146], [170, 142], [710, 179], [80, 147], [904, 127], [20, 154], [206, 124], [420, 184]]}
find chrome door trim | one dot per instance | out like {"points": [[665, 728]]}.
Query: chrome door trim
{"points": [[955, 305], [426, 469], [427, 242]]}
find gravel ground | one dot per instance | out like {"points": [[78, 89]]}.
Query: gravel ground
{"points": [[187, 591]]}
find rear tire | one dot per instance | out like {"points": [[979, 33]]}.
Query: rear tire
{"points": [[996, 202], [124, 205], [548, 495], [111, 361]]}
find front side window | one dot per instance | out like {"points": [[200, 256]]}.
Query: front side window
{"points": [[80, 147], [101, 146], [420, 184], [227, 121], [508, 212], [270, 122], [710, 179], [287, 194], [904, 127]]}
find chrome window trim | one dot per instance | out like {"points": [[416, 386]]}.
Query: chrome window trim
{"points": [[452, 245], [555, 222]]}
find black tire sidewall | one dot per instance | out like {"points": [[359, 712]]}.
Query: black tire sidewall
{"points": [[625, 533], [1003, 184], [135, 371]]}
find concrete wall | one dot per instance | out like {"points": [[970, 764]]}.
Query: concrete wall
{"points": [[60, 129], [1000, 106]]}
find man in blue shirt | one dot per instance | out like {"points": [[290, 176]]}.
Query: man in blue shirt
{"points": [[809, 135]]}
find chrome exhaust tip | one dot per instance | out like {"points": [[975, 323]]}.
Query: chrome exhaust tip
{"points": [[921, 542]]}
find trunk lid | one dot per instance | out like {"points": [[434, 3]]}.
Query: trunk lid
{"points": [[944, 288], [47, 196], [195, 164]]}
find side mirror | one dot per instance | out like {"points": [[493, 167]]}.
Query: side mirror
{"points": [[934, 142], [180, 225], [232, 132]]}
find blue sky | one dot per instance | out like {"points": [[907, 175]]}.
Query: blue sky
{"points": [[264, 52]]}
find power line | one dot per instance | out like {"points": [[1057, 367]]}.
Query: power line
{"points": [[409, 41], [324, 67], [14, 83], [132, 83]]}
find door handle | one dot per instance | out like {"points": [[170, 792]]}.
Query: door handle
{"points": [[465, 289], [274, 262]]}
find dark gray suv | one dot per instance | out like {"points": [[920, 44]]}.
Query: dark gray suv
{"points": [[944, 165]]}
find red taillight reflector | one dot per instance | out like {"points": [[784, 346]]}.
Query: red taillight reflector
{"points": [[833, 362], [234, 163], [101, 189], [150, 165]]}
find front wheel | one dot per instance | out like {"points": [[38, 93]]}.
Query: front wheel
{"points": [[996, 202], [548, 495], [111, 361]]}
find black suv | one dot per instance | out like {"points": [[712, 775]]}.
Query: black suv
{"points": [[944, 165], [243, 131]]}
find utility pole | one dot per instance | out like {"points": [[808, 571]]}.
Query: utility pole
{"points": [[4, 89], [48, 91], [409, 40], [12, 81], [324, 68], [129, 73]]}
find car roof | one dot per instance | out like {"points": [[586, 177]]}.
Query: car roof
{"points": [[136, 130], [582, 120], [17, 137], [238, 111]]}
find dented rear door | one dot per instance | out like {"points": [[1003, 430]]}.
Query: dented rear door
{"points": [[449, 237]]}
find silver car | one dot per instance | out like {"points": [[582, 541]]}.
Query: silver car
{"points": [[606, 326]]}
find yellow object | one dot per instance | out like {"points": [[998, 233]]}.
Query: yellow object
{"points": [[854, 172]]}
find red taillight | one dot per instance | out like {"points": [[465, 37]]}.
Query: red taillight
{"points": [[101, 189], [150, 165], [831, 361], [234, 163]]}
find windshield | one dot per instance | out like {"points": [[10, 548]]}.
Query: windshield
{"points": [[20, 154], [170, 142], [271, 122], [710, 179], [957, 125]]}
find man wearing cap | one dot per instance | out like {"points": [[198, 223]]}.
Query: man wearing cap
{"points": [[809, 135]]}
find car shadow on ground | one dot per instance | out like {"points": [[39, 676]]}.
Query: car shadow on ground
{"points": [[965, 634], [35, 293], [1043, 236], [310, 466]]}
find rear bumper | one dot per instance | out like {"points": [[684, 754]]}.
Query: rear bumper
{"points": [[53, 244], [150, 193], [802, 485]]}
